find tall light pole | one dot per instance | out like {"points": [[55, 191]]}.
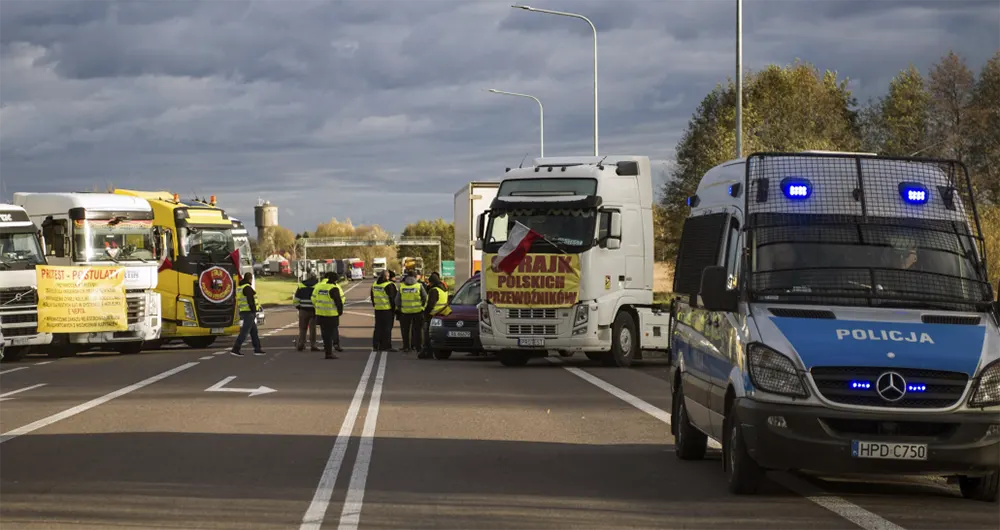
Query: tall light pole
{"points": [[592, 27], [739, 78], [541, 115]]}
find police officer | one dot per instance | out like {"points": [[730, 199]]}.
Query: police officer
{"points": [[328, 301], [393, 288], [383, 296], [411, 299], [437, 305], [246, 300], [307, 313]]}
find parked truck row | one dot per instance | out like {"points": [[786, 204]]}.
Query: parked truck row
{"points": [[181, 262]]}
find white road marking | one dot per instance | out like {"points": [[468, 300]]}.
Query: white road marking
{"points": [[223, 352], [218, 387], [351, 514], [59, 416], [15, 369], [313, 518], [205, 358], [372, 315], [838, 505], [4, 396], [43, 363]]}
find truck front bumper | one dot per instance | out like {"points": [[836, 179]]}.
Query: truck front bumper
{"points": [[24, 341], [791, 437], [594, 338], [177, 330]]}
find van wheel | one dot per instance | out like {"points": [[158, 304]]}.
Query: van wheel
{"points": [[442, 354], [980, 488], [689, 443], [508, 358], [129, 348], [624, 341], [199, 343], [742, 472]]}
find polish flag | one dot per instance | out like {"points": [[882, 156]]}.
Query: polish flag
{"points": [[512, 252]]}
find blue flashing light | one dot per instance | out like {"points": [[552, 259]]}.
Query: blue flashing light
{"points": [[916, 387], [914, 193], [860, 385], [796, 189]]}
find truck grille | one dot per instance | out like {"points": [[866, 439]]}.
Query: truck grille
{"points": [[531, 313], [9, 296], [214, 315], [135, 299], [20, 324], [531, 329], [938, 389]]}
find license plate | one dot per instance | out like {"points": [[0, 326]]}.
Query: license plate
{"points": [[216, 331], [888, 451], [460, 334], [18, 341], [532, 341]]}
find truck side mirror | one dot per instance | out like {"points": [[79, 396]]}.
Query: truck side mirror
{"points": [[715, 293], [615, 232]]}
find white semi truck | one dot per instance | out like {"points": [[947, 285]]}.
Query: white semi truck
{"points": [[586, 281], [20, 253], [470, 202], [87, 229], [378, 265]]}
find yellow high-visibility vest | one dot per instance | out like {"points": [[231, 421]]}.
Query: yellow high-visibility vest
{"points": [[380, 298], [409, 297]]}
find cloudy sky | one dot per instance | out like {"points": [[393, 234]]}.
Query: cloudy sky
{"points": [[375, 111]]}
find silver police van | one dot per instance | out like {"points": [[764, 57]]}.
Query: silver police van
{"points": [[834, 315]]}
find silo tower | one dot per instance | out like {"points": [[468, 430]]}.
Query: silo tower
{"points": [[265, 217]]}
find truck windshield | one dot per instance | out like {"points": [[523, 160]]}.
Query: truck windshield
{"points": [[114, 240], [19, 251], [568, 230], [213, 243], [891, 265]]}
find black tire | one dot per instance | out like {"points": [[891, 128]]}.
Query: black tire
{"points": [[624, 341], [12, 355], [61, 352], [980, 488], [129, 348], [442, 354], [565, 354], [199, 343], [508, 358], [689, 443], [743, 474], [595, 356]]}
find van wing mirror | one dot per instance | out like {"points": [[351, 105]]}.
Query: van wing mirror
{"points": [[715, 293]]}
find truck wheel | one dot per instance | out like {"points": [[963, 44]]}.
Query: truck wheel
{"points": [[595, 356], [565, 354], [199, 343], [689, 443], [508, 358], [980, 488], [442, 354], [742, 472], [624, 341], [129, 348], [12, 355]]}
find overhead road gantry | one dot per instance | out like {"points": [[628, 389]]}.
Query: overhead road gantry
{"points": [[392, 241]]}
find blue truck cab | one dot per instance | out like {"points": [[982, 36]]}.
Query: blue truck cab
{"points": [[833, 314]]}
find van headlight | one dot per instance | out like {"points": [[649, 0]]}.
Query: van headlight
{"points": [[435, 322], [188, 309], [987, 393], [773, 372]]}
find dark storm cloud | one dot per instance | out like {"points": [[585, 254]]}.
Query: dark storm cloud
{"points": [[375, 110]]}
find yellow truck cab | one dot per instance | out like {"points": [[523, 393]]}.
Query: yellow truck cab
{"points": [[198, 280]]}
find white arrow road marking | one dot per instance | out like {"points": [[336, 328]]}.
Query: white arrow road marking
{"points": [[370, 315], [3, 397], [218, 387]]}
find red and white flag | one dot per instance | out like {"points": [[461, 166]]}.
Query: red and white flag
{"points": [[512, 252]]}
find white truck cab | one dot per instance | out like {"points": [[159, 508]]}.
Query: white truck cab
{"points": [[834, 316], [586, 284], [84, 229], [20, 253]]}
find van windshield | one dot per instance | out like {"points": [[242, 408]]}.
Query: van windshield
{"points": [[914, 264]]}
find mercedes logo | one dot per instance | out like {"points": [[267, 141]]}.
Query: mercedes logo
{"points": [[891, 386], [460, 323]]}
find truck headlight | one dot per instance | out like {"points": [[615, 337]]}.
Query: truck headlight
{"points": [[987, 391], [435, 322], [773, 372], [582, 315], [188, 309], [484, 314]]}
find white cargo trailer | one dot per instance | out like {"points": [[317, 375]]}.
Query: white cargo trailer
{"points": [[473, 199]]}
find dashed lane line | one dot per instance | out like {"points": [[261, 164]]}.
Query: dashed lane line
{"points": [[14, 369], [7, 395], [44, 422], [313, 518], [838, 505]]}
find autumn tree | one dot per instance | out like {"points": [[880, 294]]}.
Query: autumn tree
{"points": [[426, 228], [785, 109], [984, 156], [346, 229], [951, 86], [898, 123]]}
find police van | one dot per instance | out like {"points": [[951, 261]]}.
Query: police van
{"points": [[834, 315]]}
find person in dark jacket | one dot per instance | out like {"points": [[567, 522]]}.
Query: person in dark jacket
{"points": [[328, 301], [307, 313], [383, 297], [246, 299], [411, 299], [394, 289], [437, 305]]}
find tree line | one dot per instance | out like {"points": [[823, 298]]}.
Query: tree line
{"points": [[951, 113]]}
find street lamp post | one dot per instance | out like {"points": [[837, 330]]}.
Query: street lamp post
{"points": [[739, 78], [592, 27], [541, 115]]}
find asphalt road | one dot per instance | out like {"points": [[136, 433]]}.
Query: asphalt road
{"points": [[139, 441]]}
